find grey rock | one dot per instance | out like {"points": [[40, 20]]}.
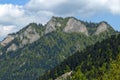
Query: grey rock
{"points": [[7, 40], [101, 28], [50, 27], [64, 76], [29, 36], [74, 25], [13, 47]]}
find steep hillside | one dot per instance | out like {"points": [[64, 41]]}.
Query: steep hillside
{"points": [[27, 35], [33, 32], [96, 62], [27, 54]]}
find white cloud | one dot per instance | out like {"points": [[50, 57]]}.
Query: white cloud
{"points": [[114, 6], [6, 29], [43, 4], [41, 10], [9, 14], [111, 6], [18, 15], [9, 10], [76, 7]]}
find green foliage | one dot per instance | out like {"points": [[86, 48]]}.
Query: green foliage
{"points": [[114, 71], [33, 60], [96, 62], [78, 75]]}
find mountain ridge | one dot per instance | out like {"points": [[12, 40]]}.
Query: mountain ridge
{"points": [[29, 60], [72, 25]]}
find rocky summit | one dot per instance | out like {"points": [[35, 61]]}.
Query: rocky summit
{"points": [[74, 25], [29, 34], [35, 49], [103, 26]]}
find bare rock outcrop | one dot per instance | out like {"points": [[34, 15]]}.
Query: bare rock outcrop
{"points": [[26, 36], [50, 27], [7, 40], [12, 47], [101, 28], [65, 76], [74, 25], [29, 36]]}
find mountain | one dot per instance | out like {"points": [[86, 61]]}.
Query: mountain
{"points": [[27, 35], [33, 32], [97, 62], [33, 50]]}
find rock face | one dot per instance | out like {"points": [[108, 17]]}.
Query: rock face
{"points": [[74, 25], [32, 33], [27, 36], [13, 47], [65, 76], [101, 28], [50, 27], [7, 40]]}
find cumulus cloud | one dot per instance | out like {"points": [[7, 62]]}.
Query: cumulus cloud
{"points": [[114, 6], [76, 7], [111, 6], [10, 13], [40, 11], [14, 17], [11, 10], [6, 29], [44, 4]]}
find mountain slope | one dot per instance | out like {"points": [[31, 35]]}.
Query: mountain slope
{"points": [[27, 35], [38, 48], [33, 32], [98, 62], [114, 71]]}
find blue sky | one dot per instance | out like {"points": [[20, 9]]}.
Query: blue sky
{"points": [[15, 14], [113, 20], [17, 2]]}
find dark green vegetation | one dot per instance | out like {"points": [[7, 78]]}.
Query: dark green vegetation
{"points": [[97, 62], [32, 60]]}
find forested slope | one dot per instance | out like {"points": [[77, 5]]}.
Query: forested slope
{"points": [[96, 62], [32, 51]]}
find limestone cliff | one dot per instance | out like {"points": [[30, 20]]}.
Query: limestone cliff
{"points": [[101, 28], [74, 25]]}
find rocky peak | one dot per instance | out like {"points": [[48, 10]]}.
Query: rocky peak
{"points": [[33, 32], [29, 35], [25, 36], [103, 26], [7, 40], [74, 25], [51, 25]]}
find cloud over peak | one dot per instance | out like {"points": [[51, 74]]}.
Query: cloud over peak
{"points": [[41, 10], [6, 29]]}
